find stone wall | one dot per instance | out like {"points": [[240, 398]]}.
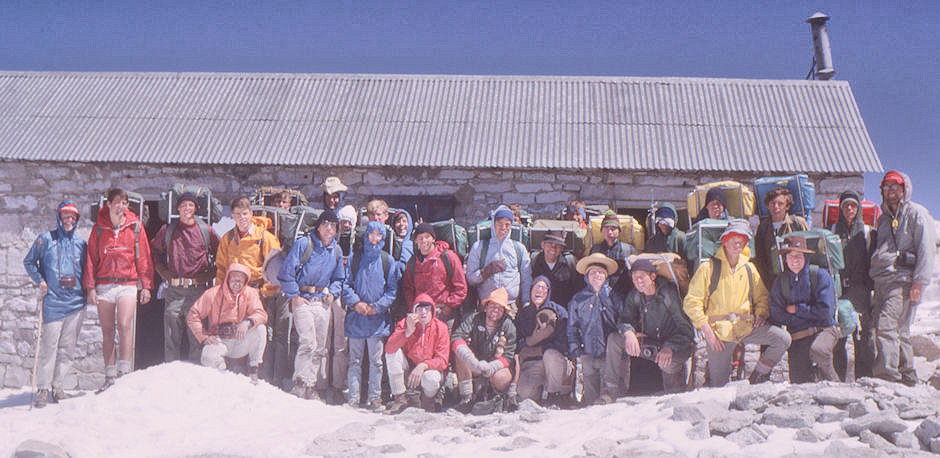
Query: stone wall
{"points": [[29, 192]]}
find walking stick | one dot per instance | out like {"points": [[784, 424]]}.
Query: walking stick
{"points": [[32, 393]]}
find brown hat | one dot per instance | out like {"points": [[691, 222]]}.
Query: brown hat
{"points": [[596, 258], [794, 243], [555, 237], [500, 297]]}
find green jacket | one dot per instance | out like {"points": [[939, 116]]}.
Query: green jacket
{"points": [[659, 316], [473, 331]]}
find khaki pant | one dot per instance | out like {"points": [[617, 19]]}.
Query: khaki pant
{"points": [[549, 373], [719, 362], [178, 301], [816, 349], [893, 313], [399, 367], [617, 368], [252, 346], [312, 321], [56, 348]]}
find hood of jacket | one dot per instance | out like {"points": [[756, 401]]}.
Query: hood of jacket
{"points": [[104, 217], [548, 296], [411, 224], [232, 268], [908, 191], [369, 251], [58, 219], [844, 227], [493, 222], [424, 297]]}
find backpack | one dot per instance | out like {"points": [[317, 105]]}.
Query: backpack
{"points": [[210, 208], [308, 251]]}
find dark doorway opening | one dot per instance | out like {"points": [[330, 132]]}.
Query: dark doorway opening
{"points": [[424, 207], [148, 348]]}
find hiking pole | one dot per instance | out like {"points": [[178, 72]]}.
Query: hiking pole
{"points": [[32, 392]]}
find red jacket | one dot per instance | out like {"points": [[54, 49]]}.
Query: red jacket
{"points": [[110, 256], [430, 277], [429, 345], [220, 306]]}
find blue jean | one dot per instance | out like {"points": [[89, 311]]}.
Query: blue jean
{"points": [[376, 348]]}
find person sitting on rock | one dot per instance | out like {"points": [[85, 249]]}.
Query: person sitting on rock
{"points": [[727, 302], [651, 326], [236, 320], [803, 299], [592, 317], [416, 355], [484, 344], [543, 343]]}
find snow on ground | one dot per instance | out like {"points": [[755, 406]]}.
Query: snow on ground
{"points": [[179, 409]]}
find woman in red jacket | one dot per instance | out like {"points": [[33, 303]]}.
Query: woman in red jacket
{"points": [[117, 264]]}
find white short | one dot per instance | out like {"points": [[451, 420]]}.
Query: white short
{"points": [[112, 292]]}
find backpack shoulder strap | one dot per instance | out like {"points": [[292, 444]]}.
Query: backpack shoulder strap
{"points": [[813, 278], [713, 281], [354, 265], [750, 285], [204, 228], [484, 247], [305, 256], [386, 263], [448, 267], [519, 253]]}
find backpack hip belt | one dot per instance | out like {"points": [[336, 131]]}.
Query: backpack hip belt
{"points": [[314, 290], [811, 331], [731, 317], [187, 283]]}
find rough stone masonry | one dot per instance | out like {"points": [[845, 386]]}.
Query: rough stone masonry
{"points": [[29, 192]]}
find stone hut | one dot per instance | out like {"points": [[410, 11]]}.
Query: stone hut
{"points": [[445, 145]]}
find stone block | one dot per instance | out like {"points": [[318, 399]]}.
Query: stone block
{"points": [[789, 417], [533, 187], [619, 178], [733, 421], [926, 347], [863, 407], [875, 441], [454, 174], [927, 430], [806, 435], [748, 436], [750, 397], [518, 198], [831, 414], [883, 423], [838, 395], [553, 197], [687, 413], [698, 432], [15, 377], [905, 439]]}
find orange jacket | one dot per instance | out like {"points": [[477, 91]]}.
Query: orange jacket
{"points": [[220, 306], [249, 251]]}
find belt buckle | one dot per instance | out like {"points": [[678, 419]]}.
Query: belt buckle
{"points": [[174, 282], [732, 317]]}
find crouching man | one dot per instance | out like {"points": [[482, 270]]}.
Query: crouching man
{"points": [[235, 319], [543, 343], [727, 302], [420, 346], [484, 343], [803, 299], [651, 326]]}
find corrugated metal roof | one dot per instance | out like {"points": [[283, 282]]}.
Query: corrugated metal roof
{"points": [[435, 121]]}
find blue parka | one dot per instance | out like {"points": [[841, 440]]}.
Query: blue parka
{"points": [[592, 316], [407, 245], [53, 255], [813, 308], [370, 285], [324, 269], [526, 322]]}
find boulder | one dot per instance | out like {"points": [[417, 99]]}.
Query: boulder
{"points": [[905, 439], [928, 430], [884, 423], [875, 441], [750, 397], [831, 414], [806, 435], [926, 347], [838, 395], [862, 407], [935, 445], [33, 448], [838, 449], [687, 413], [917, 412], [698, 432], [733, 421], [790, 416], [599, 446], [748, 436]]}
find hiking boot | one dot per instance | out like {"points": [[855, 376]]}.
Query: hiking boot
{"points": [[511, 403], [299, 389], [398, 405], [108, 383], [58, 395], [558, 401], [493, 405], [352, 403], [465, 405], [757, 377], [375, 405], [604, 399], [311, 394], [253, 374], [42, 397]]}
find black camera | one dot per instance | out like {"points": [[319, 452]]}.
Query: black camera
{"points": [[906, 259], [649, 348], [227, 330]]}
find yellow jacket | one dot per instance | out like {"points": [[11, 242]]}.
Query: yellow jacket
{"points": [[248, 251], [731, 296]]}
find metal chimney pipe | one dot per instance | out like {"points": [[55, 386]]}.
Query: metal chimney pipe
{"points": [[824, 70]]}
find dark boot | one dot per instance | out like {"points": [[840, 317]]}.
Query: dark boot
{"points": [[253, 374], [465, 405], [398, 405], [58, 395], [757, 377], [108, 382], [42, 397]]}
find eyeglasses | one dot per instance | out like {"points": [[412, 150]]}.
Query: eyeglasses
{"points": [[540, 286], [890, 187]]}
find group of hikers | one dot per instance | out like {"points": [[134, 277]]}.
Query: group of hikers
{"points": [[559, 327]]}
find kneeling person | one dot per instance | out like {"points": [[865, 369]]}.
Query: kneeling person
{"points": [[236, 321], [651, 326], [484, 343], [543, 343], [419, 346], [803, 299]]}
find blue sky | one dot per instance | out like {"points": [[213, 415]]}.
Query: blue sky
{"points": [[887, 51]]}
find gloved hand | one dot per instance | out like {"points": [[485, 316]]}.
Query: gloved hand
{"points": [[465, 354], [490, 368], [493, 268]]}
